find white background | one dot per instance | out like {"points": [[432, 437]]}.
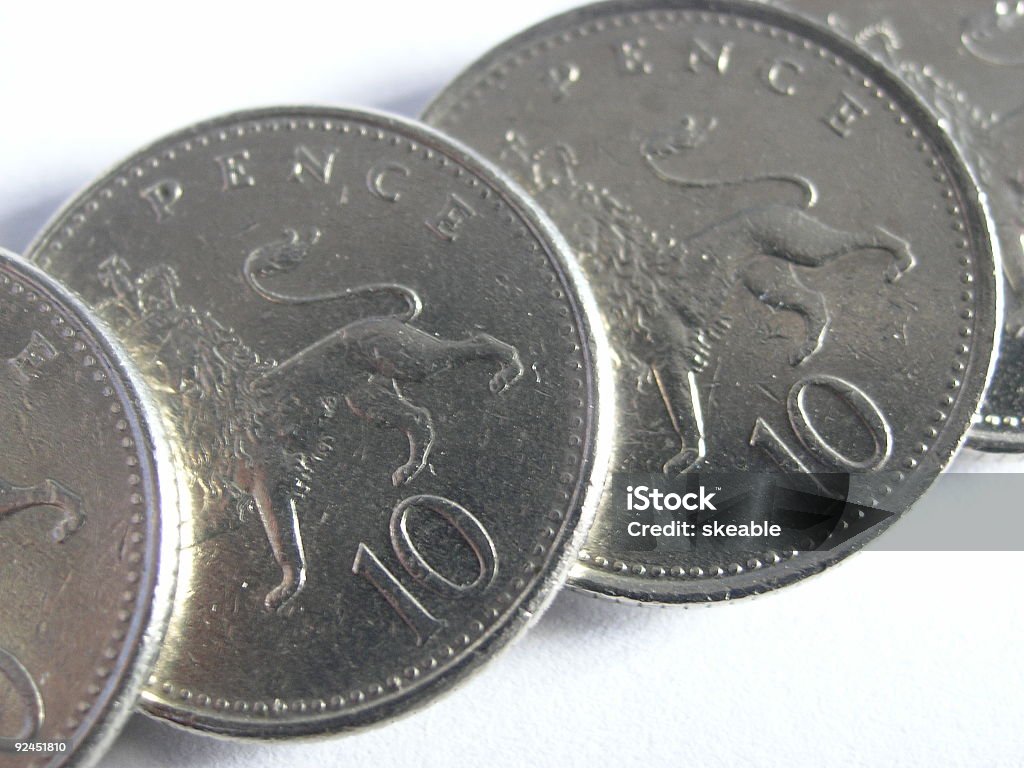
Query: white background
{"points": [[890, 659]]}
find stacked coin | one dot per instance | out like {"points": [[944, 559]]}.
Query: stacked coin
{"points": [[963, 59], [387, 394], [793, 264], [89, 516]]}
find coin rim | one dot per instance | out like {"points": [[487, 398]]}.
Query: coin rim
{"points": [[976, 216], [595, 453], [161, 488], [982, 437]]}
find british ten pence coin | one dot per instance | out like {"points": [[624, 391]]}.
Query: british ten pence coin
{"points": [[793, 263], [88, 527], [383, 369]]}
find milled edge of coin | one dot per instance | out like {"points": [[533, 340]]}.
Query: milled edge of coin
{"points": [[160, 485], [596, 452], [620, 585], [994, 440], [987, 440]]}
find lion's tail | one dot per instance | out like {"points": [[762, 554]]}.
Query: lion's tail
{"points": [[283, 256], [413, 302], [805, 185]]}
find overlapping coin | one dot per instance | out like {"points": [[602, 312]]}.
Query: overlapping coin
{"points": [[966, 60], [88, 527], [381, 365], [793, 262]]}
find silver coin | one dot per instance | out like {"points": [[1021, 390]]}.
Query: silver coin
{"points": [[793, 262], [965, 58], [382, 366], [88, 527]]}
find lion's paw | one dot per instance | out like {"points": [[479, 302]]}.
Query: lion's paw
{"points": [[72, 521], [506, 377], [903, 257], [407, 473], [684, 461], [806, 350], [279, 596]]}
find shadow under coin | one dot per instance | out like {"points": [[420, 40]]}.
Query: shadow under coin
{"points": [[18, 225], [148, 742], [410, 103], [574, 613]]}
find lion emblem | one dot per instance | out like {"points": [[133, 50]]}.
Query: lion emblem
{"points": [[256, 445], [665, 297], [990, 141]]}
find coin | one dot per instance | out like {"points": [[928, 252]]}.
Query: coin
{"points": [[382, 366], [965, 58], [793, 263], [88, 527]]}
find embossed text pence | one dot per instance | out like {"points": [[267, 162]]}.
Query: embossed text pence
{"points": [[88, 527], [966, 59], [793, 263], [381, 364]]}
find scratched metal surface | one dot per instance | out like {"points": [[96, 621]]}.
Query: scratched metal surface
{"points": [[562, 686], [792, 260], [966, 60], [88, 526], [382, 367]]}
